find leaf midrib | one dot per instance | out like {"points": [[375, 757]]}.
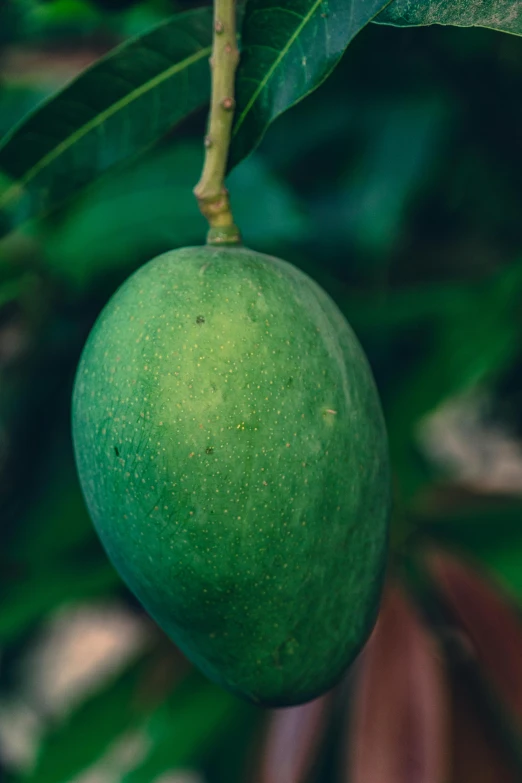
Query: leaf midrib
{"points": [[275, 65], [99, 119]]}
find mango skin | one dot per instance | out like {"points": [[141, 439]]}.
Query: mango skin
{"points": [[233, 456]]}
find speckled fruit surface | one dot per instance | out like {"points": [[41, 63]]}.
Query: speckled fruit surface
{"points": [[233, 456]]}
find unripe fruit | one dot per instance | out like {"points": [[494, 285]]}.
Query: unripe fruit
{"points": [[233, 456]]}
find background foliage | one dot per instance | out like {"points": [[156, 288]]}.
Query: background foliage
{"points": [[397, 186]]}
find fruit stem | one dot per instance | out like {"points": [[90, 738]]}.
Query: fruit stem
{"points": [[210, 191]]}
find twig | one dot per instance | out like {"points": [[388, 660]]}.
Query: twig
{"points": [[210, 191]]}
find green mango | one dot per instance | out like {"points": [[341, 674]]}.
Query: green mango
{"points": [[233, 456]]}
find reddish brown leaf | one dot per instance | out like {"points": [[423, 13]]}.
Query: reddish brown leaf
{"points": [[491, 623], [478, 754], [399, 722], [293, 741]]}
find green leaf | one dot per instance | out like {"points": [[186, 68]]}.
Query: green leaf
{"points": [[54, 521], [399, 152], [82, 738], [504, 15], [189, 717], [465, 335], [29, 602], [52, 556], [476, 338], [10, 290], [111, 112], [152, 211], [286, 53], [182, 729], [59, 18], [257, 190], [16, 102], [491, 531]]}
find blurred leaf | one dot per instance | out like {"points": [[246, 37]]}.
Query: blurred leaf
{"points": [[56, 521], [151, 211], [10, 290], [504, 15], [401, 308], [287, 53], [112, 111], [504, 558], [87, 733], [27, 602], [142, 16], [52, 19], [9, 21], [399, 722], [232, 759], [49, 559], [181, 730], [129, 216], [397, 145], [477, 335], [61, 17], [16, 102], [399, 152], [478, 754], [257, 191], [293, 742], [474, 335], [492, 624], [490, 530]]}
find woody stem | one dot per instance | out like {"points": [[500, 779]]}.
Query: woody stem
{"points": [[210, 191]]}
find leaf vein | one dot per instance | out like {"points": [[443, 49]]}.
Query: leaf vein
{"points": [[276, 63], [99, 119]]}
